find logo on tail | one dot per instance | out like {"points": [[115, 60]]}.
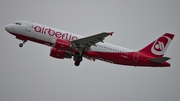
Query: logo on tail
{"points": [[160, 45]]}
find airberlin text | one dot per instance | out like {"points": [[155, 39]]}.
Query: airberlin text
{"points": [[57, 34]]}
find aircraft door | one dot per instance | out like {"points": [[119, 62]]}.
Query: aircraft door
{"points": [[136, 56], [29, 26]]}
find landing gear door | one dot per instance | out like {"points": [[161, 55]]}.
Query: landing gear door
{"points": [[29, 26], [136, 56]]}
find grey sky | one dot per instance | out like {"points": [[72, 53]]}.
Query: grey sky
{"points": [[30, 74]]}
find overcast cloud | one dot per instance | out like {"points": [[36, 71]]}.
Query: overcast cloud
{"points": [[30, 74]]}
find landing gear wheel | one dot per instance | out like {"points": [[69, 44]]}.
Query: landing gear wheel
{"points": [[79, 58], [77, 63], [21, 45]]}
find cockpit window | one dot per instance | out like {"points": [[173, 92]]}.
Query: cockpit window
{"points": [[17, 23]]}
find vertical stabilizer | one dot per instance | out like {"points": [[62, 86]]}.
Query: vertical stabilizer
{"points": [[158, 47]]}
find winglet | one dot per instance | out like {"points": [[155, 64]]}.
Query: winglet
{"points": [[111, 33]]}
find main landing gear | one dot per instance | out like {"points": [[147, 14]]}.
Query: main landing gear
{"points": [[21, 44], [77, 59]]}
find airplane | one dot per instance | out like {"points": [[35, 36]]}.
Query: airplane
{"points": [[69, 45]]}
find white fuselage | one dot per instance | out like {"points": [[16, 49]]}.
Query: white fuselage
{"points": [[49, 35], [66, 48]]}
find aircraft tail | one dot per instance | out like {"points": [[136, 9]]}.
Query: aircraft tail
{"points": [[158, 47]]}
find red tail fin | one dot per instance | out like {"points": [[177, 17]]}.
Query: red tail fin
{"points": [[158, 47]]}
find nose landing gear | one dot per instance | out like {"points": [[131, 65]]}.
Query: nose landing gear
{"points": [[21, 44]]}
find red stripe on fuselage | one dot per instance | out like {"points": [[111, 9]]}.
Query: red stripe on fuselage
{"points": [[123, 58]]}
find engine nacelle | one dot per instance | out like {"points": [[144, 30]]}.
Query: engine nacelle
{"points": [[63, 44], [59, 54]]}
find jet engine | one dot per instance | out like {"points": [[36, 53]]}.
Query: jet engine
{"points": [[59, 54], [63, 44]]}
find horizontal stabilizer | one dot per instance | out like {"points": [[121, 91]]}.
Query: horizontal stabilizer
{"points": [[159, 59]]}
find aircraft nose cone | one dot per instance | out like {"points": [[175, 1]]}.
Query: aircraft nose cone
{"points": [[7, 28]]}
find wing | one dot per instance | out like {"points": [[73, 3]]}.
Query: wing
{"points": [[87, 42]]}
